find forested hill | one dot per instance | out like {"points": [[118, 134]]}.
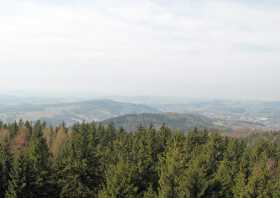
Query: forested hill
{"points": [[70, 113], [223, 114], [183, 122], [98, 161]]}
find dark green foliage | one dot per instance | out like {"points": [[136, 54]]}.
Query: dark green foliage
{"points": [[17, 187], [120, 181], [172, 167], [4, 168], [31, 172], [78, 166], [184, 122], [101, 161]]}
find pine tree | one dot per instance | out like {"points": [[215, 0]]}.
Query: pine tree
{"points": [[78, 165], [4, 168], [193, 183], [259, 179], [241, 178], [120, 182], [221, 185], [172, 167], [38, 166], [17, 187]]}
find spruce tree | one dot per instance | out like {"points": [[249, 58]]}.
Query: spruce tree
{"points": [[120, 182], [172, 167], [4, 168], [78, 165], [39, 170], [17, 187]]}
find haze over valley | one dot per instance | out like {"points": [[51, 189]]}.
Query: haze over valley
{"points": [[94, 61], [130, 113]]}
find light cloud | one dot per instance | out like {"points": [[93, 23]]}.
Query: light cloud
{"points": [[186, 48]]}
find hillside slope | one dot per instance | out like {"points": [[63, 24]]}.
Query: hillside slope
{"points": [[94, 110], [173, 120]]}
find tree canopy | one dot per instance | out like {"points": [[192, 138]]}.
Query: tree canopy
{"points": [[91, 160]]}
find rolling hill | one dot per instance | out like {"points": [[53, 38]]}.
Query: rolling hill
{"points": [[183, 122], [93, 110]]}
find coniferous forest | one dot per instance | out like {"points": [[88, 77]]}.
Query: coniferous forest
{"points": [[91, 160]]}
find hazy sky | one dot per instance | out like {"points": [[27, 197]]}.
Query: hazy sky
{"points": [[193, 48]]}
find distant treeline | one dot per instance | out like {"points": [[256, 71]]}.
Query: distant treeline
{"points": [[90, 160]]}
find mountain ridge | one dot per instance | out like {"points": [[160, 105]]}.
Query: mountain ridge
{"points": [[89, 110]]}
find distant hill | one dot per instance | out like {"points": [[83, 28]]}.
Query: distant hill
{"points": [[94, 110], [225, 114], [251, 114], [183, 122]]}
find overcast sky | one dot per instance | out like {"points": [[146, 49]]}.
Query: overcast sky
{"points": [[190, 48]]}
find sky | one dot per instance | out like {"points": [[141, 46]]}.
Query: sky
{"points": [[189, 48]]}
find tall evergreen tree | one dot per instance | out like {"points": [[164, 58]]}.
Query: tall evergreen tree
{"points": [[17, 187], [120, 182], [78, 165], [172, 167], [4, 168], [38, 166]]}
